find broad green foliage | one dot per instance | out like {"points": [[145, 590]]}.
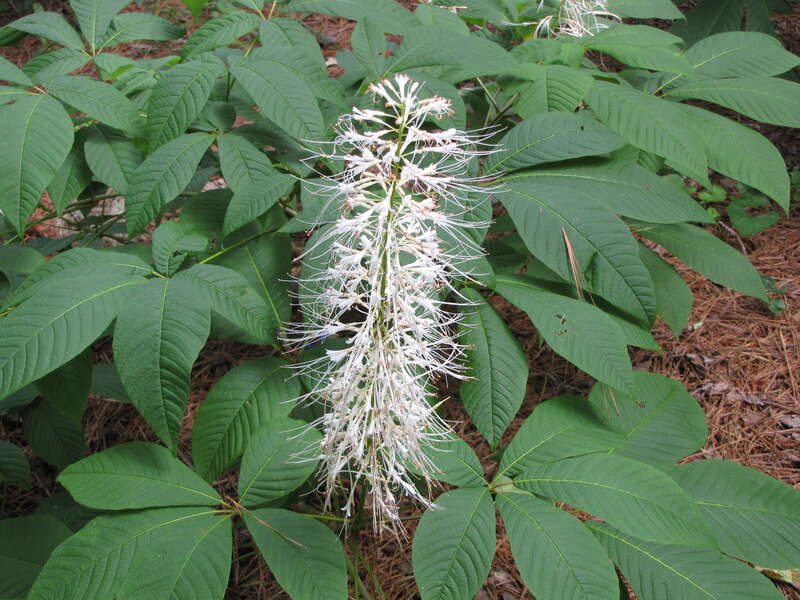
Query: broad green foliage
{"points": [[453, 547], [495, 394], [188, 188], [270, 465], [556, 556], [38, 135], [247, 397], [135, 475], [304, 556], [25, 545], [659, 571]]}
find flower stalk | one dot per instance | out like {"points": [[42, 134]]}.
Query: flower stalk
{"points": [[383, 275]]}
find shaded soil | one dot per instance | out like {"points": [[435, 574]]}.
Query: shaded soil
{"points": [[741, 363]]}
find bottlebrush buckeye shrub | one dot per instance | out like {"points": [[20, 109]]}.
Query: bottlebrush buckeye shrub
{"points": [[395, 168]]}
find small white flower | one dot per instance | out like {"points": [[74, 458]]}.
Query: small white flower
{"points": [[577, 18], [382, 288]]}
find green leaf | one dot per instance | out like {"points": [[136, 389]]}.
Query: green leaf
{"points": [[390, 15], [237, 406], [19, 399], [499, 369], [265, 262], [744, 223], [171, 240], [136, 475], [742, 153], [161, 177], [25, 545], [546, 213], [454, 544], [281, 93], [68, 386], [177, 99], [650, 123], [55, 64], [708, 18], [305, 557], [233, 297], [624, 188], [256, 5], [94, 16], [14, 467], [141, 555], [673, 297], [241, 162], [310, 68], [709, 256], [578, 331], [637, 498], [552, 137], [221, 31], [131, 27], [50, 25], [641, 47], [65, 265], [663, 572], [554, 553], [559, 428], [470, 56], [661, 421], [645, 9], [754, 517], [13, 74], [369, 46], [71, 179], [50, 329], [251, 202], [271, 467], [107, 383], [112, 157], [97, 99], [37, 135], [196, 6], [62, 507], [454, 461], [767, 99], [551, 88], [157, 338], [740, 54], [20, 259], [429, 14], [9, 94], [51, 434], [283, 32]]}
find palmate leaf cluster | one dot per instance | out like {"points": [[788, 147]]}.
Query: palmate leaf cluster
{"points": [[589, 195]]}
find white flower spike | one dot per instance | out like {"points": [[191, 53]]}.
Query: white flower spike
{"points": [[382, 287], [577, 18]]}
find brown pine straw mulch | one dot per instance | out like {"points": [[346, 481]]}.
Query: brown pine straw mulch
{"points": [[741, 363]]}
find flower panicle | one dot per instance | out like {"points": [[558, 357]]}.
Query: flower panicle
{"points": [[383, 276], [577, 18]]}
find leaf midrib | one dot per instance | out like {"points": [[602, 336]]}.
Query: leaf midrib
{"points": [[652, 557], [165, 482], [553, 543], [47, 324], [457, 546], [590, 243]]}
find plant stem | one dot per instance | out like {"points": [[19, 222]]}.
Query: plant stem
{"points": [[237, 245], [373, 575], [361, 590]]}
